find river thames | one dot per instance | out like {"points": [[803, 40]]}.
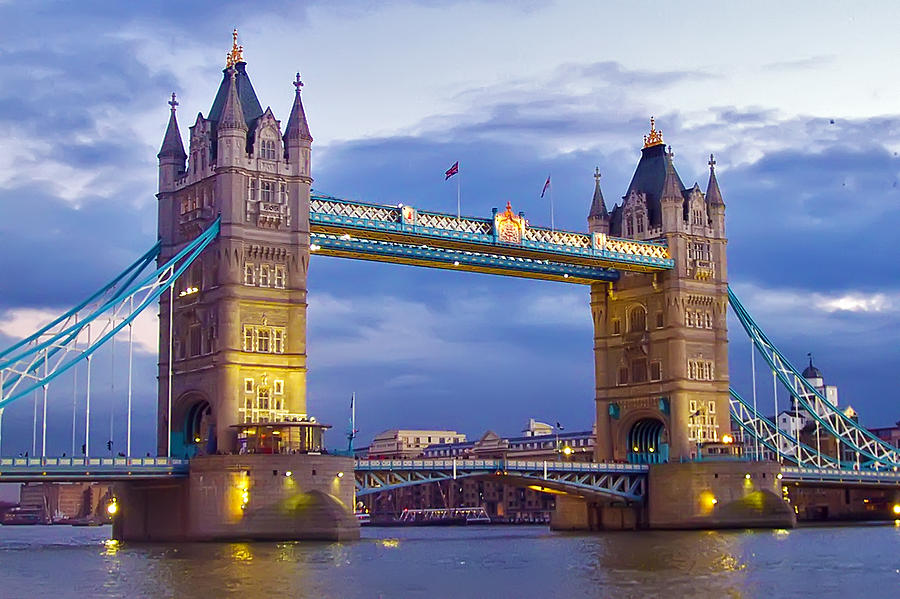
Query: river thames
{"points": [[489, 561]]}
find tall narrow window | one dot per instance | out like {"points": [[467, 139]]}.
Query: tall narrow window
{"points": [[262, 340], [248, 338], [637, 320], [248, 386], [655, 371], [251, 190], [278, 387], [249, 274], [623, 376], [279, 276], [278, 341], [282, 193], [263, 275], [267, 191], [639, 370], [616, 326]]}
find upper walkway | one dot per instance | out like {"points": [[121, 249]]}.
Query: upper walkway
{"points": [[504, 244]]}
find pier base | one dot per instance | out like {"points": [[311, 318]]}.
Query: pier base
{"points": [[717, 495], [243, 497]]}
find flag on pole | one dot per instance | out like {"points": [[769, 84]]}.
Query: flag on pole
{"points": [[559, 426], [546, 186], [452, 170]]}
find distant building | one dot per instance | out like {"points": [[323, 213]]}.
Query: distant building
{"points": [[62, 501], [888, 434], [406, 444]]}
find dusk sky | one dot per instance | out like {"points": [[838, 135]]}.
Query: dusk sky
{"points": [[799, 103]]}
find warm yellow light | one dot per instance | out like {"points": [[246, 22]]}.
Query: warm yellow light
{"points": [[567, 450], [288, 474], [636, 448], [713, 501], [896, 508], [196, 439], [112, 508], [779, 476], [726, 438], [340, 475], [747, 476], [651, 450]]}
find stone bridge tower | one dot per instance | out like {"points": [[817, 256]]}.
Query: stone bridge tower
{"points": [[239, 314], [660, 340]]}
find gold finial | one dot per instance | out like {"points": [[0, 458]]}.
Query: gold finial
{"points": [[655, 136], [236, 54]]}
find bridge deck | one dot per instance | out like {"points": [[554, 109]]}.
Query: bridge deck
{"points": [[18, 470], [505, 244]]}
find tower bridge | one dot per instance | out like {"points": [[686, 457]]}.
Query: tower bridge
{"points": [[238, 226]]}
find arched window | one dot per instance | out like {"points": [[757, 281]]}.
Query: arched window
{"points": [[637, 320]]}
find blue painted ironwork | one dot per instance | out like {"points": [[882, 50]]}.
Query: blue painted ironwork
{"points": [[331, 215], [30, 368], [621, 481], [16, 470], [870, 450], [334, 245]]}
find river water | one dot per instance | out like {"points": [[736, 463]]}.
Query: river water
{"points": [[489, 561]]}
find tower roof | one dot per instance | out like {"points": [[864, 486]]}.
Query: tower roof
{"points": [[172, 146], [713, 195], [244, 93], [297, 127], [811, 372], [598, 206], [650, 178]]}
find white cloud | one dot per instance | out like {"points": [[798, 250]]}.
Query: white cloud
{"points": [[18, 323]]}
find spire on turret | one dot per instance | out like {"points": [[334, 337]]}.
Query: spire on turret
{"points": [[713, 195], [232, 112], [297, 127], [172, 146], [598, 206], [672, 187]]}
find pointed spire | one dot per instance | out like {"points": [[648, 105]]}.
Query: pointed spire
{"points": [[598, 206], [232, 112], [172, 146], [297, 127], [713, 195], [671, 188]]}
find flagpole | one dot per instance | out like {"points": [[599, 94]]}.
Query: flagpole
{"points": [[458, 178], [551, 206]]}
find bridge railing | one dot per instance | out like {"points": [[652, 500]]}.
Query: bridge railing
{"points": [[500, 465], [92, 462]]}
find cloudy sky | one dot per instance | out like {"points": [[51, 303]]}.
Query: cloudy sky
{"points": [[801, 109]]}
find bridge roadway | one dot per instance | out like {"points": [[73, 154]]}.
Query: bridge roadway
{"points": [[505, 244], [612, 480]]}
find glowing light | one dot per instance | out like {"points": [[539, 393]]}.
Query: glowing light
{"points": [[636, 448], [345, 237], [456, 263], [197, 439], [340, 475], [896, 509], [747, 476], [112, 507], [727, 439], [315, 247], [567, 450], [289, 474], [651, 450], [779, 476], [713, 501], [391, 543], [565, 276]]}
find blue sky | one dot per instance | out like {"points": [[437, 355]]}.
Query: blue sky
{"points": [[801, 111]]}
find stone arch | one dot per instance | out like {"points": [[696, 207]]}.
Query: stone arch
{"points": [[637, 318], [193, 425], [624, 449]]}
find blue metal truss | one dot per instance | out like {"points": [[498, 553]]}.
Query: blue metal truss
{"points": [[617, 481], [32, 364], [382, 222], [435, 257], [19, 470], [871, 451]]}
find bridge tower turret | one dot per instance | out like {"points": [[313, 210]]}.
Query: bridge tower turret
{"points": [[660, 340], [598, 217], [238, 332]]}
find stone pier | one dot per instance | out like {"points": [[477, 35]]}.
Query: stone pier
{"points": [[243, 497]]}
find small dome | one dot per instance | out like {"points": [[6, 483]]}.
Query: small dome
{"points": [[811, 372]]}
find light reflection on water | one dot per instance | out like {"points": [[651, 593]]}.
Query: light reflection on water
{"points": [[460, 562]]}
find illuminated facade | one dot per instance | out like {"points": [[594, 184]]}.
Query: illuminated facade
{"points": [[238, 332], [660, 339]]}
